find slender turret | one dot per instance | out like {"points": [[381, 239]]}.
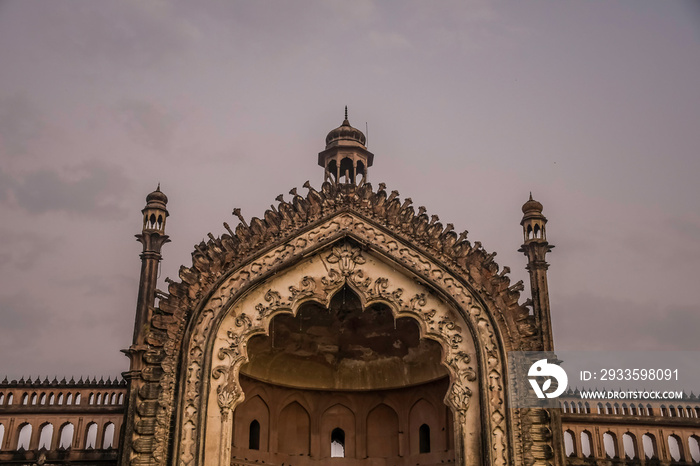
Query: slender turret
{"points": [[153, 238], [536, 247]]}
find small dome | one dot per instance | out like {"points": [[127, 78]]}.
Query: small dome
{"points": [[157, 199], [532, 206], [345, 135]]}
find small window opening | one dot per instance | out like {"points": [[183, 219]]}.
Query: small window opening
{"points": [[338, 443], [424, 439], [254, 436]]}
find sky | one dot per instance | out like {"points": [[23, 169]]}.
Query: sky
{"points": [[469, 106]]}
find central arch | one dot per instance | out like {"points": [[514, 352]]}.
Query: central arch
{"points": [[384, 272]]}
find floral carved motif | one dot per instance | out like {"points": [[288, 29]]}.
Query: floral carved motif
{"points": [[225, 266]]}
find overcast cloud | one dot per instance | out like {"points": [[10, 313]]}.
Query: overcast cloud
{"points": [[592, 106]]}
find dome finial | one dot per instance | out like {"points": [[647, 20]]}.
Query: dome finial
{"points": [[158, 188], [530, 195], [346, 112]]}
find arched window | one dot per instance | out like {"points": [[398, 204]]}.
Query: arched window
{"points": [[113, 400], [34, 399], [424, 438], [69, 399], [254, 435], [91, 436], [25, 399], [600, 408], [586, 442], [693, 447], [672, 411], [674, 448], [629, 443], [338, 443], [91, 399], [52, 399], [108, 436], [99, 399], [2, 398], [649, 445], [609, 445], [46, 436], [663, 410], [608, 408], [42, 399], [10, 399], [66, 436], [121, 398], [25, 435], [569, 443], [588, 408], [2, 435], [77, 398], [650, 410]]}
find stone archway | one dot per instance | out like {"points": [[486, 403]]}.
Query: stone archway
{"points": [[445, 309]]}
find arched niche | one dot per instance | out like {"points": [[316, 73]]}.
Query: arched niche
{"points": [[407, 282]]}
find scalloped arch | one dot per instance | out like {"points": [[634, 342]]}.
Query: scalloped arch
{"points": [[318, 276], [226, 269]]}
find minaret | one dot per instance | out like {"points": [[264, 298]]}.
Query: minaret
{"points": [[536, 247], [153, 238], [346, 158]]}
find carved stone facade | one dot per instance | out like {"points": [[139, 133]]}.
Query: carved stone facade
{"points": [[344, 324]]}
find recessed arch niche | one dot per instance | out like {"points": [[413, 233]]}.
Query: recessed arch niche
{"points": [[448, 315]]}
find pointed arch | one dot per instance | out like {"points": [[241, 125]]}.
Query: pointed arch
{"points": [[338, 418], [24, 436], [253, 409], [66, 436], [46, 436], [471, 317], [382, 432], [586, 444], [649, 445], [294, 435], [569, 443], [91, 436], [423, 422], [108, 436]]}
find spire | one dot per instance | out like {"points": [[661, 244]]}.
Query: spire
{"points": [[346, 113]]}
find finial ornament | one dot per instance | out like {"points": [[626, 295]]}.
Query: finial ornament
{"points": [[346, 112]]}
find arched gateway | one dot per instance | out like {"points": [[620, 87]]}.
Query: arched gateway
{"points": [[342, 327]]}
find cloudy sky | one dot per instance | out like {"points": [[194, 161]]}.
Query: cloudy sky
{"points": [[592, 106]]}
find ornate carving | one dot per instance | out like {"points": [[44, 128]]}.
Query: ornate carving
{"points": [[347, 257], [223, 266]]}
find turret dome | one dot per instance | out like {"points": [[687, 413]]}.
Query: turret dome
{"points": [[345, 135]]}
